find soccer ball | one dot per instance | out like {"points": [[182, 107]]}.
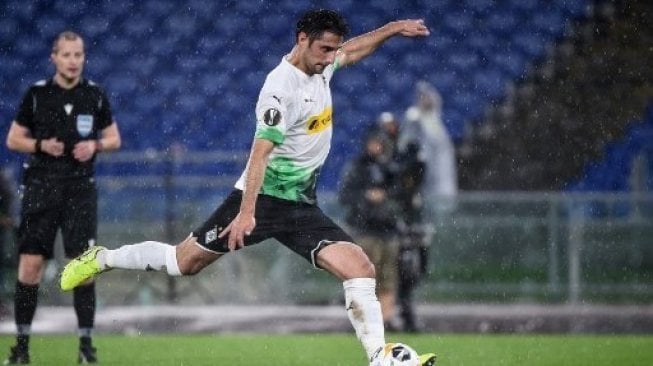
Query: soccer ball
{"points": [[395, 354]]}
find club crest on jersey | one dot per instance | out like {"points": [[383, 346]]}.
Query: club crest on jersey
{"points": [[84, 124], [272, 117]]}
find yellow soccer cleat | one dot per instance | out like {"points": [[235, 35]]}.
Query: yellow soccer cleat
{"points": [[427, 359], [81, 269]]}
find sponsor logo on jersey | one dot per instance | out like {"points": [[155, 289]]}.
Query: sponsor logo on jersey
{"points": [[272, 117], [84, 124], [319, 122]]}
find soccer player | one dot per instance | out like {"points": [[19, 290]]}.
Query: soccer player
{"points": [[63, 122], [275, 195]]}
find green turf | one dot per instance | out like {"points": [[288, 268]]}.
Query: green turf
{"points": [[341, 350]]}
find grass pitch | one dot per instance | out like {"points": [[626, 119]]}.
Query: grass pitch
{"points": [[342, 350]]}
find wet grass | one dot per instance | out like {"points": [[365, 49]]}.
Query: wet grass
{"points": [[343, 350]]}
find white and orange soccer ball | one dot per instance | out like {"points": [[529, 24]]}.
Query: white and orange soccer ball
{"points": [[395, 354]]}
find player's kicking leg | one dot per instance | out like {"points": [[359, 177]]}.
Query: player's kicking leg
{"points": [[82, 268], [187, 258]]}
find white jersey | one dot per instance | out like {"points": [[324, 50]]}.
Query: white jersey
{"points": [[294, 111]]}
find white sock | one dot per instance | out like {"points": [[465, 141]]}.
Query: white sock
{"points": [[364, 311], [145, 256]]}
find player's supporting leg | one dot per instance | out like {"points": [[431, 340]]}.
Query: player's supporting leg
{"points": [[349, 263], [84, 304]]}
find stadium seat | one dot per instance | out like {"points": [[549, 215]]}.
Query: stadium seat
{"points": [[120, 84], [530, 44], [550, 23], [70, 9], [94, 26], [489, 83], [136, 30], [98, 65], [183, 24], [8, 31], [118, 10], [511, 63], [501, 23], [29, 47], [458, 23], [463, 60], [118, 47], [480, 7], [573, 8], [141, 65], [159, 8]]}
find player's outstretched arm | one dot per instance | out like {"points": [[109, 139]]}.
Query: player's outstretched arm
{"points": [[362, 46]]}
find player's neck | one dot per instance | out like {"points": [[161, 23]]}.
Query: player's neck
{"points": [[295, 60], [66, 83]]}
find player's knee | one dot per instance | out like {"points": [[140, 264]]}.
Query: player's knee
{"points": [[362, 266], [190, 267], [30, 270], [346, 261]]}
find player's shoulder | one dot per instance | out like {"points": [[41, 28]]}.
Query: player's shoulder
{"points": [[279, 80], [283, 73]]}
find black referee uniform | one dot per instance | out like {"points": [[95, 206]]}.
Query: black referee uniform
{"points": [[59, 192]]}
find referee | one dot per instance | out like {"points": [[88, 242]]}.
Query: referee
{"points": [[63, 123]]}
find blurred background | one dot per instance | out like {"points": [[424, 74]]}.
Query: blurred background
{"points": [[549, 105]]}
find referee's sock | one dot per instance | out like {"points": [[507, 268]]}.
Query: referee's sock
{"points": [[25, 301], [84, 304]]}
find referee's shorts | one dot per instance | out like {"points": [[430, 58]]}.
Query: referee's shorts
{"points": [[51, 205]]}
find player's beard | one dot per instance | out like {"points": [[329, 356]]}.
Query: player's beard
{"points": [[318, 68]]}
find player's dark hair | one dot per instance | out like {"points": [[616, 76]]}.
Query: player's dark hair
{"points": [[315, 22]]}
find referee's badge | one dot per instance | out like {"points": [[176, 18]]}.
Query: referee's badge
{"points": [[84, 124]]}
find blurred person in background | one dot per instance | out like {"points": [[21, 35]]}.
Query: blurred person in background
{"points": [[275, 196], [412, 258], [7, 197], [63, 123], [388, 129], [428, 185], [366, 194], [424, 127]]}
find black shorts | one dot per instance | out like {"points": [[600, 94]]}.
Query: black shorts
{"points": [[50, 205], [301, 227]]}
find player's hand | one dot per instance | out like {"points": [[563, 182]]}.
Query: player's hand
{"points": [[52, 146], [84, 150], [413, 28], [241, 226]]}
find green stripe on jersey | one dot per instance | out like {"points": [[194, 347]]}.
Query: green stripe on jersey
{"points": [[271, 134], [283, 179]]}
